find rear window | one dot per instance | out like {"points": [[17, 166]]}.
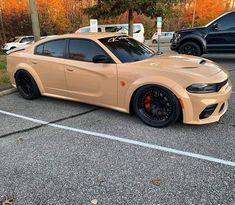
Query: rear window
{"points": [[53, 48]]}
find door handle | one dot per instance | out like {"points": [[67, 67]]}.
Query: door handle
{"points": [[34, 62], [69, 69]]}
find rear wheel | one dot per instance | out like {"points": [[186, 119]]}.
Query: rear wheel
{"points": [[156, 106], [26, 85], [154, 41], [190, 48]]}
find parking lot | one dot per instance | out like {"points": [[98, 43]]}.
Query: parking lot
{"points": [[61, 152]]}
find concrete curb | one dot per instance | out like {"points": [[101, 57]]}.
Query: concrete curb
{"points": [[8, 91], [161, 45]]}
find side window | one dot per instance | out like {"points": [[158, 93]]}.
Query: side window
{"points": [[31, 39], [227, 23], [113, 28], [24, 40], [39, 50], [84, 50], [99, 29], [137, 28], [54, 48]]}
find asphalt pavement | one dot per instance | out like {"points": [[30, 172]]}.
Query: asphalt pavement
{"points": [[56, 152]]}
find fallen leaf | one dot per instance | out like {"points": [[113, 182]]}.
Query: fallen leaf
{"points": [[156, 182], [8, 201], [20, 140], [94, 201], [100, 180]]}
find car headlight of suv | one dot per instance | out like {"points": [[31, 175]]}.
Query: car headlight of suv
{"points": [[202, 88], [177, 36]]}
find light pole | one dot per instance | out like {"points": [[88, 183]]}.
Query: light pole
{"points": [[35, 21], [194, 12]]}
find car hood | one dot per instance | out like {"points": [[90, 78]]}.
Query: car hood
{"points": [[11, 44], [190, 29], [183, 64]]}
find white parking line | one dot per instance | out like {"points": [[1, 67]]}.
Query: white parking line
{"points": [[124, 140]]}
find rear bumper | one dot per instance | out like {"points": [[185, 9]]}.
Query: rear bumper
{"points": [[197, 104]]}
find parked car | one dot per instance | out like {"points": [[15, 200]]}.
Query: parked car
{"points": [[216, 37], [18, 41], [165, 37], [138, 30], [118, 72]]}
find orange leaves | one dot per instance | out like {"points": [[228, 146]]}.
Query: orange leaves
{"points": [[206, 10]]}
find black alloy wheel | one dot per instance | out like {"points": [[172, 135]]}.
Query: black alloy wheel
{"points": [[190, 48], [26, 85], [156, 106]]}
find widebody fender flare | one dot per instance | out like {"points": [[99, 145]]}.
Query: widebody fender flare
{"points": [[28, 68]]}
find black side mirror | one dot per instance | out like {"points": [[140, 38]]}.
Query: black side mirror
{"points": [[102, 59], [215, 27]]}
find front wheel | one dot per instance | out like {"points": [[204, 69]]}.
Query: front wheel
{"points": [[26, 85], [156, 106], [190, 48]]}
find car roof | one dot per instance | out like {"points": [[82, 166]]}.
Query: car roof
{"points": [[88, 35]]}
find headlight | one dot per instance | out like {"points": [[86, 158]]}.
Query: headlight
{"points": [[202, 88], [177, 36]]}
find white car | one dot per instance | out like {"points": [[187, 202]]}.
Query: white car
{"points": [[164, 38], [18, 41], [138, 30]]}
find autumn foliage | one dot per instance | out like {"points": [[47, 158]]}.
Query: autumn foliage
{"points": [[65, 16]]}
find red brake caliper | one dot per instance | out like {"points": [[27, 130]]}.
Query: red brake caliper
{"points": [[147, 102]]}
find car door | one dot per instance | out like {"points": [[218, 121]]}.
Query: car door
{"points": [[49, 63], [221, 35], [90, 82]]}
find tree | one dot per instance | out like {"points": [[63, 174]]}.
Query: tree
{"points": [[34, 18], [113, 8]]}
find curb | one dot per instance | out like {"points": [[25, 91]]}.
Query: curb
{"points": [[161, 45], [8, 92]]}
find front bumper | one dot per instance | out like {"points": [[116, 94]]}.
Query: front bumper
{"points": [[196, 104]]}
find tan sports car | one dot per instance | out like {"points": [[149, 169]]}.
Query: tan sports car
{"points": [[118, 72]]}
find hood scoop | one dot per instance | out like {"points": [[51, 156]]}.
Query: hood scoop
{"points": [[202, 62]]}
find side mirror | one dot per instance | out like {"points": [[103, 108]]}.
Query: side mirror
{"points": [[215, 27], [102, 59]]}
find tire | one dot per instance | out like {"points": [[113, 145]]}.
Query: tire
{"points": [[190, 48], [156, 106], [154, 41], [26, 85]]}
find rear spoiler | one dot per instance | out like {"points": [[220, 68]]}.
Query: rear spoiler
{"points": [[15, 50]]}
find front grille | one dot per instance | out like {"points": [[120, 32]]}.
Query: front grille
{"points": [[220, 85]]}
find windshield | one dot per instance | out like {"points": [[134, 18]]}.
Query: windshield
{"points": [[127, 49]]}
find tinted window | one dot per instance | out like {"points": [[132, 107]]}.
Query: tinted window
{"points": [[127, 49], [84, 50], [227, 23], [54, 48], [39, 49]]}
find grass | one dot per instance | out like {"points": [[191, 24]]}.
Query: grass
{"points": [[4, 77]]}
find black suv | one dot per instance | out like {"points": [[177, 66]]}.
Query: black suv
{"points": [[216, 37]]}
